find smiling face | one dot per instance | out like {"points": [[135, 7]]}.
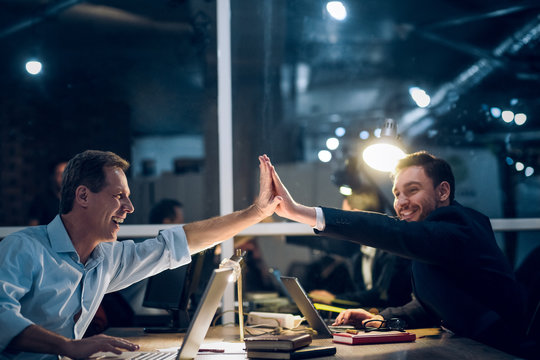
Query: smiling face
{"points": [[108, 208], [415, 197]]}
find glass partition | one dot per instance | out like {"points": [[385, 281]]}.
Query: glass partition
{"points": [[134, 77], [312, 86]]}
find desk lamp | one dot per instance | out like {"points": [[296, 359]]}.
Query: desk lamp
{"points": [[235, 262]]}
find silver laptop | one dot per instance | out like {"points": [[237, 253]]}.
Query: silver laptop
{"points": [[309, 312], [197, 328]]}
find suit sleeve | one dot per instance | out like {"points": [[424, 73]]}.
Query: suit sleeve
{"points": [[440, 239], [414, 315]]}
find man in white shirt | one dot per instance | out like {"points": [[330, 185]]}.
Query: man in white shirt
{"points": [[53, 277]]}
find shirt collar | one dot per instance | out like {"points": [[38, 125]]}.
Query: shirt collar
{"points": [[61, 242], [58, 236]]}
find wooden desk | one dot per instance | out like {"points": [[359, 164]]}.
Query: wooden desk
{"points": [[430, 344]]}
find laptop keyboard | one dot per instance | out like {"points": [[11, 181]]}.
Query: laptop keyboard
{"points": [[155, 356]]}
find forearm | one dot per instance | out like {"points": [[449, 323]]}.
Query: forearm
{"points": [[206, 233], [36, 339], [303, 214]]}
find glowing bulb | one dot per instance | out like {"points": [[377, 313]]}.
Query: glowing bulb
{"points": [[519, 166], [325, 155], [332, 143], [507, 116], [33, 67], [529, 171], [345, 190], [383, 157], [337, 10]]}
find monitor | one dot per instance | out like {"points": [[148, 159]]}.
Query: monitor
{"points": [[172, 290]]}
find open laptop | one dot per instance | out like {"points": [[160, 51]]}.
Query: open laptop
{"points": [[197, 328], [309, 312]]}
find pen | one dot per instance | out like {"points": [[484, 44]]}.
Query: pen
{"points": [[212, 350]]}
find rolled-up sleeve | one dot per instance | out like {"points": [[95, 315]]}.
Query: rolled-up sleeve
{"points": [[13, 287], [168, 250]]}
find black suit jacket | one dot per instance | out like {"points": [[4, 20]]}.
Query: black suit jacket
{"points": [[460, 275]]}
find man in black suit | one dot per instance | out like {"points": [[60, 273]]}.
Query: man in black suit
{"points": [[460, 276]]}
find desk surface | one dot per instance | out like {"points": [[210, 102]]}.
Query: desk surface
{"points": [[430, 344]]}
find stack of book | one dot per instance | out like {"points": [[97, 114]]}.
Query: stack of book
{"points": [[285, 346], [373, 337]]}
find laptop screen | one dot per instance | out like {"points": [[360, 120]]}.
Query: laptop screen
{"points": [[205, 313], [306, 307]]}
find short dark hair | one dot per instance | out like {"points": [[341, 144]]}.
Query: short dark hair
{"points": [[437, 169], [87, 168], [163, 209]]}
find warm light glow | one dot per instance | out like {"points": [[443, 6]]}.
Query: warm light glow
{"points": [[231, 278], [33, 67], [520, 118], [345, 190], [507, 116], [420, 97], [325, 155], [337, 10], [383, 156], [332, 143]]}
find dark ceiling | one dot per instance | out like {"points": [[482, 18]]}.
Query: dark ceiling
{"points": [[469, 55]]}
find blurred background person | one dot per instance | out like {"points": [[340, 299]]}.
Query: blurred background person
{"points": [[380, 279], [167, 211], [44, 207]]}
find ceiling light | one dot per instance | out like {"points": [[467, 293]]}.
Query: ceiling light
{"points": [[340, 131], [364, 135], [325, 155], [495, 112], [507, 116], [529, 171], [420, 97], [332, 143], [519, 166], [520, 118], [345, 190], [384, 153], [337, 10], [509, 160], [33, 67]]}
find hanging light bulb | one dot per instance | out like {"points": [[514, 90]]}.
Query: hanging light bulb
{"points": [[384, 153]]}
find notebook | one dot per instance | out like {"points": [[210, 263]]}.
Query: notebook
{"points": [[197, 328], [306, 307]]}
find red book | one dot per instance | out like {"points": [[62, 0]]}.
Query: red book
{"points": [[373, 337]]}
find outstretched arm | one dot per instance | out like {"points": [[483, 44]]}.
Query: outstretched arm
{"points": [[288, 208], [206, 233], [39, 340]]}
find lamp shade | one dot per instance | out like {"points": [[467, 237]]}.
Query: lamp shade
{"points": [[384, 153]]}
